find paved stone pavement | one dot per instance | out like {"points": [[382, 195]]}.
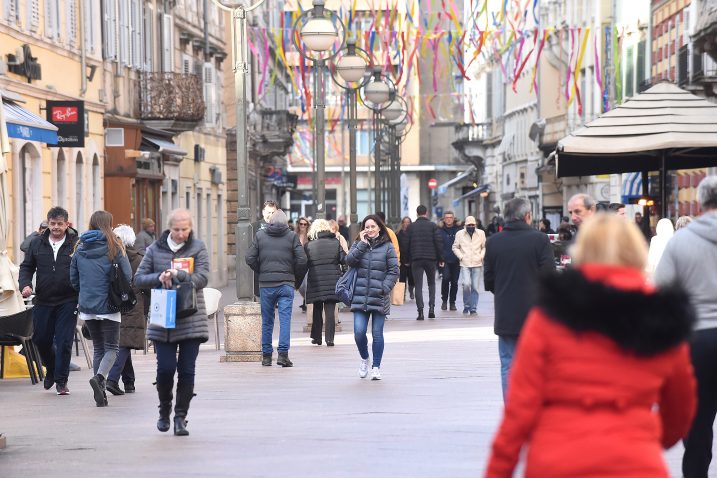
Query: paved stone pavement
{"points": [[433, 414]]}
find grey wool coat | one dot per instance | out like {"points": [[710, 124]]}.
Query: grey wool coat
{"points": [[377, 273], [157, 259]]}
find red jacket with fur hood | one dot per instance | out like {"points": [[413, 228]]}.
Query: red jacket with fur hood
{"points": [[602, 379]]}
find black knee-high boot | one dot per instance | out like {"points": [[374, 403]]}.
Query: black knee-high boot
{"points": [[185, 393], [164, 391]]}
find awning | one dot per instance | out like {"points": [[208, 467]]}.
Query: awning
{"points": [[163, 145], [443, 188], [478, 190], [23, 124]]}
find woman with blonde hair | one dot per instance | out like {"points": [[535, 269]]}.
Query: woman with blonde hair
{"points": [[342, 239], [602, 378], [90, 275], [325, 256], [682, 221]]}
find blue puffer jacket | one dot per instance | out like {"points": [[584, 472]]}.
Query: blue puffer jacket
{"points": [[377, 273], [90, 272]]}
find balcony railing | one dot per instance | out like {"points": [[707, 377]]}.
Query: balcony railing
{"points": [[275, 135], [473, 132], [171, 96]]}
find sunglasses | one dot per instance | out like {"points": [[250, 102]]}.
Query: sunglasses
{"points": [[303, 224]]}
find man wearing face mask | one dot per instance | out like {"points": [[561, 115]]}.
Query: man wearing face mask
{"points": [[469, 248]]}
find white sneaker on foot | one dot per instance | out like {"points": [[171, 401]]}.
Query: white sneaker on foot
{"points": [[375, 373], [363, 368]]}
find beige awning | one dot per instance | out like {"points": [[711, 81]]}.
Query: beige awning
{"points": [[664, 127]]}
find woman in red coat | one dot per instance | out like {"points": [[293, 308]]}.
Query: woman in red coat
{"points": [[602, 379]]}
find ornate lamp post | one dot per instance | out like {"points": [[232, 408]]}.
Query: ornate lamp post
{"points": [[396, 115], [244, 233], [377, 96], [317, 29], [349, 73]]}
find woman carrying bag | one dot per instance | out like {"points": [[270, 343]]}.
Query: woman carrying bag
{"points": [[177, 348], [90, 275], [325, 256], [376, 264]]}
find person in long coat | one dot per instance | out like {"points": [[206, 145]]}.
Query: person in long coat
{"points": [[134, 323], [324, 257], [602, 379], [377, 272], [177, 348]]}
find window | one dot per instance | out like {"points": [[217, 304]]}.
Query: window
{"points": [[71, 22], [52, 19], [88, 13], [12, 11], [110, 30], [124, 33], [33, 15], [148, 38], [362, 142], [136, 25], [209, 95], [167, 43], [61, 194], [629, 71], [96, 184]]}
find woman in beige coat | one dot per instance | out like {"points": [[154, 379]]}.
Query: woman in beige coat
{"points": [[469, 248]]}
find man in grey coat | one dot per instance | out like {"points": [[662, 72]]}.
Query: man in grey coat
{"points": [[146, 236], [277, 256], [690, 260]]}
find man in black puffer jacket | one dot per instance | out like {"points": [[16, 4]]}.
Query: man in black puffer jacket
{"points": [[279, 259], [426, 248]]}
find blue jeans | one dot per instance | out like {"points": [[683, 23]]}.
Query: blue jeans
{"points": [[105, 344], [122, 367], [470, 278], [360, 328], [506, 350], [270, 297], [168, 363], [54, 330]]}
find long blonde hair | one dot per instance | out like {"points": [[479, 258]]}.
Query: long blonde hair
{"points": [[609, 239], [319, 225]]}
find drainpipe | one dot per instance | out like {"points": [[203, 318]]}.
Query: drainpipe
{"points": [[83, 59], [206, 31]]}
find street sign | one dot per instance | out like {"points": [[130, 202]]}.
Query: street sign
{"points": [[432, 183]]}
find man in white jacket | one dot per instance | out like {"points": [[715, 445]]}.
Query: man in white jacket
{"points": [[469, 247]]}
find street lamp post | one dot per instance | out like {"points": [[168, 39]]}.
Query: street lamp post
{"points": [[318, 32], [395, 113], [351, 68], [244, 233]]}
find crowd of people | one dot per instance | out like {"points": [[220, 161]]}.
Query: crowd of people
{"points": [[614, 350]]}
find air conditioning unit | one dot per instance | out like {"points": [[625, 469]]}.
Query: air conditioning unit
{"points": [[199, 153], [216, 174], [114, 137]]}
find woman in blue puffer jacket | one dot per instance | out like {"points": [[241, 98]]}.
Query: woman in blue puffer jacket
{"points": [[376, 264], [90, 276]]}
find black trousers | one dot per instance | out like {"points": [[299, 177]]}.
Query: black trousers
{"points": [[418, 268], [406, 275], [449, 284], [698, 444], [317, 322], [54, 330]]}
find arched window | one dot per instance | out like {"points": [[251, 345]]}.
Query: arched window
{"points": [[80, 221], [27, 193], [96, 184], [61, 184]]}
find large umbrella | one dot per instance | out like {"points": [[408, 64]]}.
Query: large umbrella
{"points": [[661, 129]]}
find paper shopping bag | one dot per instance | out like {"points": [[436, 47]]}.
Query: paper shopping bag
{"points": [[163, 308], [398, 293]]}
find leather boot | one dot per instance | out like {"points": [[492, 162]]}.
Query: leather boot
{"points": [[283, 360], [266, 360], [420, 314], [164, 391], [185, 393], [431, 313]]}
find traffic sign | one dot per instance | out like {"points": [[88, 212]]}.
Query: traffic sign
{"points": [[432, 183]]}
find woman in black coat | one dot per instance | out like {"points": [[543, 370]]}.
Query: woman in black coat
{"points": [[404, 246], [376, 264], [325, 256]]}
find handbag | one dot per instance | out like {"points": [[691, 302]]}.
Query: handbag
{"points": [[345, 286], [398, 293], [121, 295], [186, 299]]}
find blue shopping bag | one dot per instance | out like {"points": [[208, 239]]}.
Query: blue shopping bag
{"points": [[163, 308], [345, 286]]}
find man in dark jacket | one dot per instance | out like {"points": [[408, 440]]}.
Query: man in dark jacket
{"points": [[513, 260], [54, 315], [278, 258], [452, 267], [425, 246], [269, 208]]}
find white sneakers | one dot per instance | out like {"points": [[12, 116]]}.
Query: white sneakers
{"points": [[375, 373], [363, 368]]}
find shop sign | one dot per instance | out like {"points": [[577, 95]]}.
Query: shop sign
{"points": [[69, 117]]}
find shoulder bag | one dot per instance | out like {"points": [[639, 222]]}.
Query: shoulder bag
{"points": [[122, 298]]}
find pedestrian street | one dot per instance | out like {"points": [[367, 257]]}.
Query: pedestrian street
{"points": [[433, 414]]}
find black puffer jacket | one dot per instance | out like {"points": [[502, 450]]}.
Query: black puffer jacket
{"points": [[404, 246], [377, 273], [425, 241], [277, 256], [325, 256], [157, 259], [52, 282]]}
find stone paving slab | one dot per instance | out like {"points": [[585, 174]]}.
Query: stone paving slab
{"points": [[433, 415]]}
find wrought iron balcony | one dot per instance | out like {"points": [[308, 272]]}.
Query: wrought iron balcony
{"points": [[473, 132], [171, 97], [275, 134]]}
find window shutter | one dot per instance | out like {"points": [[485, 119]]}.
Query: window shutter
{"points": [[33, 15], [148, 38], [49, 18], [110, 42], [11, 11], [88, 25], [71, 19], [167, 43], [124, 33], [137, 35], [186, 64], [209, 94]]}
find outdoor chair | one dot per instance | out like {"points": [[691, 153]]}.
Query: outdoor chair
{"points": [[15, 330], [211, 302]]}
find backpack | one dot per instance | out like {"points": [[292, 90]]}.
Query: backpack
{"points": [[122, 298], [345, 286]]}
